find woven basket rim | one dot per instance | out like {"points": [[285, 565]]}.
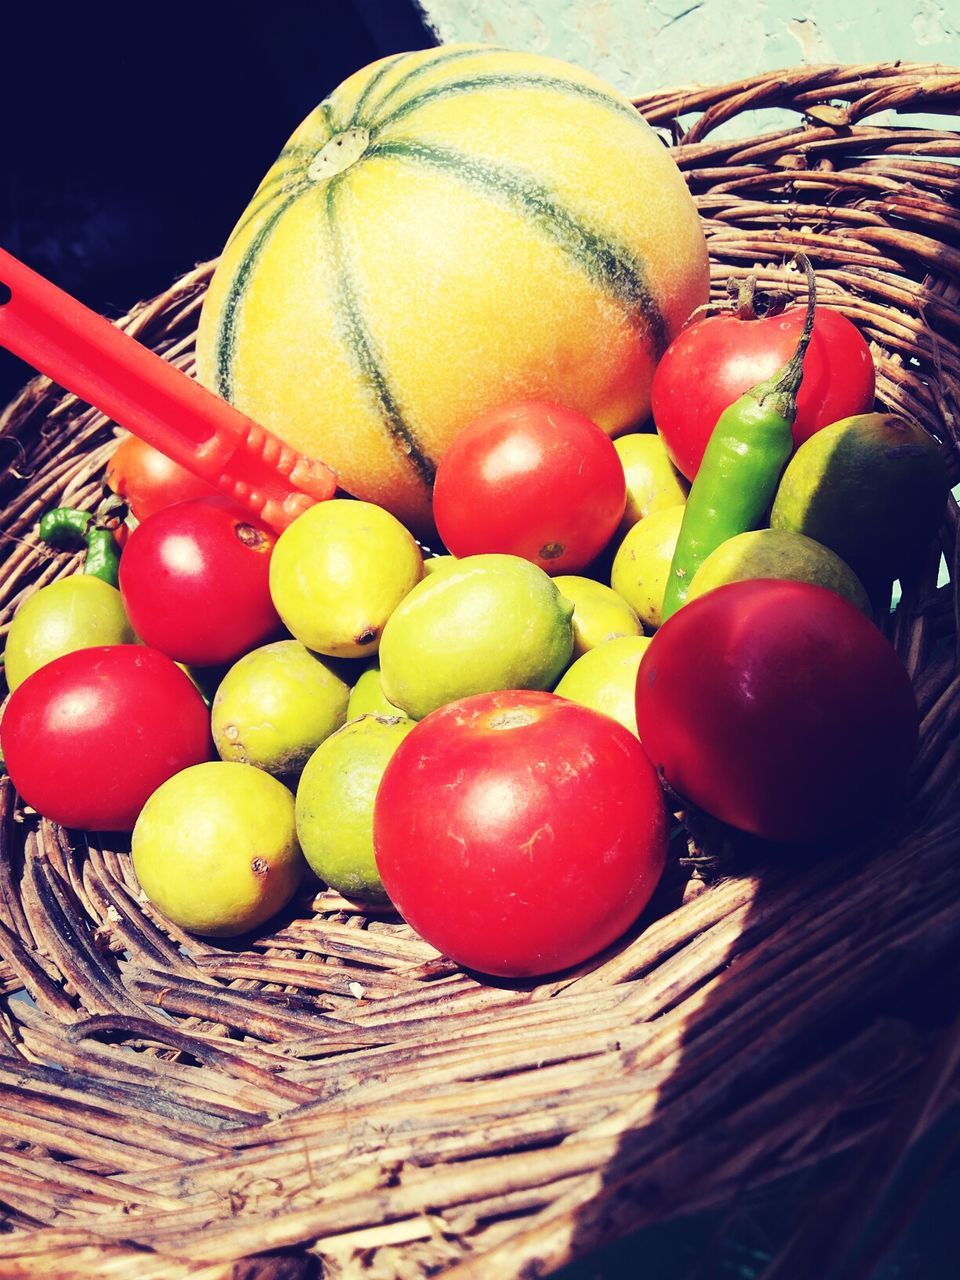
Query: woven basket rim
{"points": [[220, 1102]]}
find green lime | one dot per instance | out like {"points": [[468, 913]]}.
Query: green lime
{"points": [[367, 697], [642, 563], [599, 614], [215, 848], [605, 678], [338, 572], [335, 801], [872, 488], [79, 612], [778, 553], [438, 564], [275, 706], [488, 622], [653, 482]]}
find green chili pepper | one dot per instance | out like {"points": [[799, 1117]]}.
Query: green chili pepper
{"points": [[741, 466], [67, 527], [103, 556]]}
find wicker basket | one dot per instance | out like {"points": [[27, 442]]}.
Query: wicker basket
{"points": [[337, 1090]]}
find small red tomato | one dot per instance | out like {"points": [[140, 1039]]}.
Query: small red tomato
{"points": [[713, 361], [89, 737], [519, 833], [149, 481], [195, 582], [532, 480], [778, 708]]}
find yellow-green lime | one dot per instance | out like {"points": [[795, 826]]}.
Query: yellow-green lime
{"points": [[338, 572], [778, 553], [215, 848], [79, 612], [335, 801], [275, 706], [367, 697], [605, 678], [438, 564], [488, 622], [599, 614], [872, 488], [642, 563], [653, 482]]}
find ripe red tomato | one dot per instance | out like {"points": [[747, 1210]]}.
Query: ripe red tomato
{"points": [[713, 361], [519, 833], [89, 737], [778, 708], [195, 582], [149, 481], [533, 480]]}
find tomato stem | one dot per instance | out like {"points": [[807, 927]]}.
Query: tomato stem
{"points": [[750, 302], [746, 296]]}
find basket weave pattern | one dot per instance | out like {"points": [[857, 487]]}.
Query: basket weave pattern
{"points": [[336, 1089]]}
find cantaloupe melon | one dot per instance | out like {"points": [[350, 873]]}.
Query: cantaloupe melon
{"points": [[450, 230]]}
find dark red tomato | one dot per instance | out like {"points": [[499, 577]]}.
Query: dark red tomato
{"points": [[89, 737], [778, 708], [195, 582], [519, 833], [149, 481], [713, 361], [533, 480]]}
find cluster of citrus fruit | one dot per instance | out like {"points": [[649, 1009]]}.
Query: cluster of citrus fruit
{"points": [[321, 650], [341, 641], [481, 735]]}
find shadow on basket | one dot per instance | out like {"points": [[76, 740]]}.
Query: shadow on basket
{"points": [[335, 1097]]}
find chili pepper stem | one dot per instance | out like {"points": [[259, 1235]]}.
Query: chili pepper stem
{"points": [[783, 386]]}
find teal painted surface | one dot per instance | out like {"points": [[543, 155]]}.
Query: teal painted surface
{"points": [[642, 45]]}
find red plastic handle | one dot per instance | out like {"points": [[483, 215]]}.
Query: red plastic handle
{"points": [[108, 369]]}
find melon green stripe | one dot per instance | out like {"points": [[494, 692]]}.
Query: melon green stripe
{"points": [[269, 192], [360, 344], [442, 58], [326, 110], [227, 332], [508, 80], [371, 85], [286, 165], [611, 266], [307, 150], [278, 180]]}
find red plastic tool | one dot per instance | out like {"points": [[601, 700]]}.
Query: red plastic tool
{"points": [[108, 369]]}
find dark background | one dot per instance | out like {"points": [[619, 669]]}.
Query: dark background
{"points": [[131, 138]]}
